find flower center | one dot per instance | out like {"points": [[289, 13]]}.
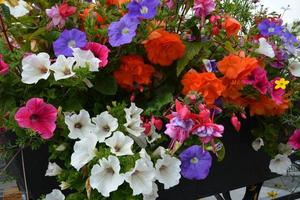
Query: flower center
{"points": [[106, 128], [67, 71], [72, 44], [34, 117], [78, 125], [194, 160], [110, 171], [163, 168], [144, 10], [271, 30], [117, 148], [125, 31], [43, 69]]}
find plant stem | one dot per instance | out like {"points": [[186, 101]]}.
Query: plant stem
{"points": [[5, 34]]}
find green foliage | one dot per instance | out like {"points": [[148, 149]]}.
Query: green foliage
{"points": [[106, 84]]}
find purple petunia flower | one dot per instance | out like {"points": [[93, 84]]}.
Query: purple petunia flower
{"points": [[290, 41], [280, 58], [68, 39], [145, 9], [122, 32], [268, 28], [195, 163]]}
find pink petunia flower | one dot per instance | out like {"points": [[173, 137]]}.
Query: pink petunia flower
{"points": [[276, 94], [38, 116], [258, 79], [3, 66], [59, 14], [294, 140], [100, 51], [203, 7]]}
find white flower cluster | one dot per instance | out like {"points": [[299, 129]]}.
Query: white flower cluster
{"points": [[105, 175], [294, 64], [37, 66]]}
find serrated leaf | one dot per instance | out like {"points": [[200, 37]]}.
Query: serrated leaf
{"points": [[192, 49], [106, 85]]}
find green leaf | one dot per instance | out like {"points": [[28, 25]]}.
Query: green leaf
{"points": [[36, 33], [106, 85], [229, 47], [192, 49]]}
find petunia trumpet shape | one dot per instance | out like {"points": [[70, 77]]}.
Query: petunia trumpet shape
{"points": [[38, 116]]}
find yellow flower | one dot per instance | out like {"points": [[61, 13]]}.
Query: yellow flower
{"points": [[2, 1], [281, 83], [272, 194]]}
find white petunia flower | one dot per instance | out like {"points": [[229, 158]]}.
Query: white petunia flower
{"points": [[84, 151], [105, 125], [257, 143], [153, 135], [265, 48], [35, 67], [85, 58], [64, 185], [141, 177], [280, 164], [285, 149], [294, 67], [63, 67], [105, 176], [133, 113], [18, 10], [53, 169], [79, 125], [168, 171], [55, 195], [154, 193], [120, 144], [134, 127]]}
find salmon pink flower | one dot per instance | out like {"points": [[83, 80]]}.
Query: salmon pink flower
{"points": [[294, 140], [38, 116]]}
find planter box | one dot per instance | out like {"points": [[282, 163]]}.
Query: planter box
{"points": [[241, 167]]}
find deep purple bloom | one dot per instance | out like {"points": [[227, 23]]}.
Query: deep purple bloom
{"points": [[144, 9], [280, 58], [268, 28], [122, 32], [68, 39], [195, 163]]}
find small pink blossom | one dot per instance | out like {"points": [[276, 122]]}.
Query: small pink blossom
{"points": [[294, 140], [59, 14], [39, 116], [203, 7], [100, 51], [170, 4], [3, 66], [235, 122]]}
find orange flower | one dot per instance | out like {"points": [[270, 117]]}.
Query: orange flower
{"points": [[164, 48], [133, 71], [267, 107], [232, 26], [232, 89], [86, 12], [116, 2], [207, 84], [236, 67]]}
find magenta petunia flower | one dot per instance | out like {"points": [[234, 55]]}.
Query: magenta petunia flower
{"points": [[276, 94], [100, 51], [3, 66], [203, 8], [67, 40], [38, 116], [195, 163], [294, 140], [258, 79]]}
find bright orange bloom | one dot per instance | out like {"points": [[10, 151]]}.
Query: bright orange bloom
{"points": [[133, 72], [231, 93], [267, 107], [232, 26], [164, 48], [116, 2], [236, 67], [86, 12], [207, 84]]}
